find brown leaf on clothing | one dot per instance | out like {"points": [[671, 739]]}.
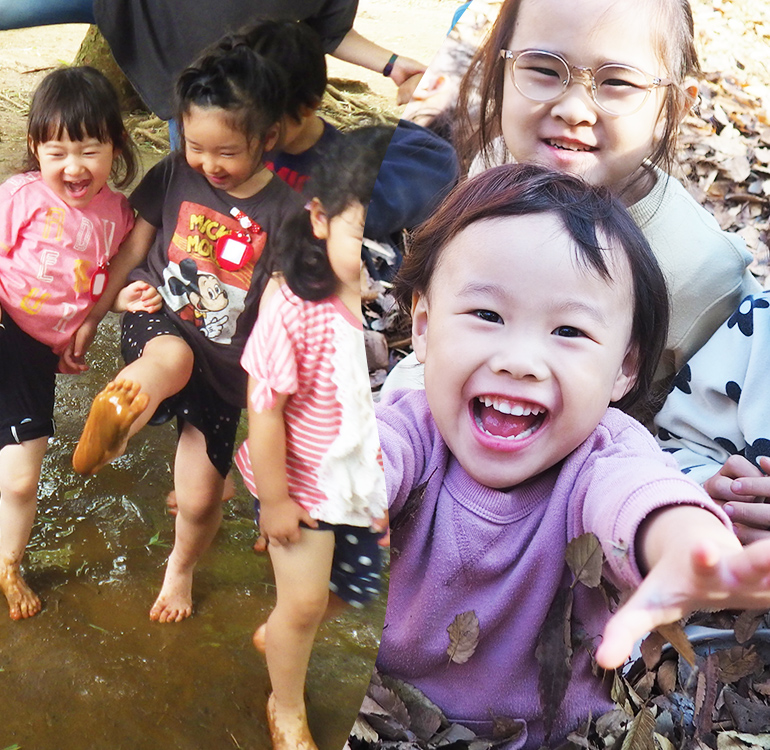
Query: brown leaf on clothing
{"points": [[463, 637], [554, 655], [585, 559]]}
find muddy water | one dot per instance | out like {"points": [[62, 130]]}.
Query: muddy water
{"points": [[91, 672]]}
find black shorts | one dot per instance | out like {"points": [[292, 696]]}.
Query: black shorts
{"points": [[27, 384], [197, 403]]}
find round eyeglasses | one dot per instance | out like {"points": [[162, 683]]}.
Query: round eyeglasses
{"points": [[544, 76]]}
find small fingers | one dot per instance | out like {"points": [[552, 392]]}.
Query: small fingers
{"points": [[751, 567], [624, 629]]}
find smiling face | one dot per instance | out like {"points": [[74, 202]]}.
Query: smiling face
{"points": [[572, 134], [75, 170], [524, 348], [223, 154]]}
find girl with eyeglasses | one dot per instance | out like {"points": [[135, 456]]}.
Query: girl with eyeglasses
{"points": [[598, 88]]}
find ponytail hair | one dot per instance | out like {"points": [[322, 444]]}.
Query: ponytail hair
{"points": [[344, 176], [232, 77]]}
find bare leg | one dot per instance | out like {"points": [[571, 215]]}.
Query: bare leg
{"points": [[228, 493], [302, 572], [19, 475], [334, 609], [127, 403], [199, 486]]}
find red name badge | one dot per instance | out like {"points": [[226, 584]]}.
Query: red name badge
{"points": [[98, 283], [233, 251]]}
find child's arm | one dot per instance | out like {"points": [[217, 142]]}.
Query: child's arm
{"points": [[279, 515], [694, 563], [359, 50], [131, 253]]}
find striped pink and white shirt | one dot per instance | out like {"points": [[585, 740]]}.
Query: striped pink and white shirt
{"points": [[314, 351]]}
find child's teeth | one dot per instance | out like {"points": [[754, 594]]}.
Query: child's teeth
{"points": [[504, 407]]}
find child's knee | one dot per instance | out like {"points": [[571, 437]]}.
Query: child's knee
{"points": [[308, 612], [20, 485], [199, 507]]}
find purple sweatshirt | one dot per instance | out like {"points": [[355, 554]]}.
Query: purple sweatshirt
{"points": [[464, 546]]}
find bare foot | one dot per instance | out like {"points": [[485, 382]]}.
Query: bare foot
{"points": [[228, 493], [104, 436], [288, 732], [22, 601], [259, 637], [174, 603]]}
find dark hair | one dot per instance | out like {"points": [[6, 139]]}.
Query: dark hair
{"points": [[80, 102], [674, 43], [345, 175], [230, 76], [297, 49], [598, 224]]}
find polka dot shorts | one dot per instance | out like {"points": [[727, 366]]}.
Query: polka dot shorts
{"points": [[357, 561], [356, 565]]}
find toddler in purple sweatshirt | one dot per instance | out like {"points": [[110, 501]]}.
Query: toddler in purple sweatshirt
{"points": [[536, 303]]}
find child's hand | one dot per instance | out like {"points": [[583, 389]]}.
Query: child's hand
{"points": [[72, 360], [69, 364], [382, 526], [279, 522], [712, 573], [138, 296], [742, 489]]}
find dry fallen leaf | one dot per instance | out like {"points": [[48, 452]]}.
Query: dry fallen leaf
{"points": [[463, 637], [640, 733], [675, 635], [738, 662], [651, 649], [584, 557]]}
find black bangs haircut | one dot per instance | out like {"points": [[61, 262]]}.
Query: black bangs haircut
{"points": [[81, 103], [598, 224], [297, 49], [344, 176], [230, 76]]}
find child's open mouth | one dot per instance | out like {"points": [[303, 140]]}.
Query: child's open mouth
{"points": [[77, 189], [503, 418]]}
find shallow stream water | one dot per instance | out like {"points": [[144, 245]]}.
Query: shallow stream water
{"points": [[91, 672]]}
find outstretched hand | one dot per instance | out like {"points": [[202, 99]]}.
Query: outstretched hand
{"points": [[742, 489], [714, 574]]}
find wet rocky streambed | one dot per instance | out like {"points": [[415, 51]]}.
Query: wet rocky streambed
{"points": [[91, 672]]}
